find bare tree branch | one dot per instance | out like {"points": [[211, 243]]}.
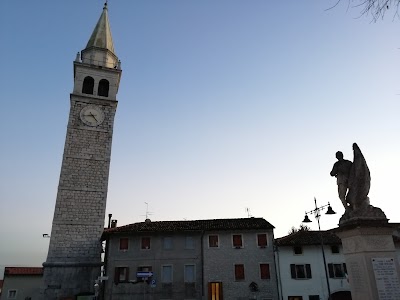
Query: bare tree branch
{"points": [[376, 8]]}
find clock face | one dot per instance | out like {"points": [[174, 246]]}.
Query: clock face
{"points": [[92, 115]]}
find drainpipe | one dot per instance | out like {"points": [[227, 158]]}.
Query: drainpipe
{"points": [[107, 241], [277, 270], [202, 264]]}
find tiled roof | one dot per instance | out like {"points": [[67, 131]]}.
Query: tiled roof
{"points": [[196, 225], [23, 271], [308, 237]]}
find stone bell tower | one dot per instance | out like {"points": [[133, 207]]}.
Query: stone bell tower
{"points": [[74, 257]]}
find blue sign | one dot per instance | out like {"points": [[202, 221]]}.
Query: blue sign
{"points": [[153, 283], [144, 274]]}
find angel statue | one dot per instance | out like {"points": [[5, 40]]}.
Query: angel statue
{"points": [[353, 180]]}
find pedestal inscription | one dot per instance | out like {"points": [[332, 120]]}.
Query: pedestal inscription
{"points": [[387, 281]]}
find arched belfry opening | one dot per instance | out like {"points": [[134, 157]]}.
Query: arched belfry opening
{"points": [[104, 86], [88, 85]]}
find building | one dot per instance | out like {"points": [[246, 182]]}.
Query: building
{"points": [[22, 283], [201, 259], [301, 266], [74, 256]]}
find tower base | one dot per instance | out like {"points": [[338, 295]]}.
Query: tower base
{"points": [[66, 281]]}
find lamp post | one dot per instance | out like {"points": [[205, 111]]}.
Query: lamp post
{"points": [[317, 214]]}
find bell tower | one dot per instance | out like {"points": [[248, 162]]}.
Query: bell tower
{"points": [[74, 257]]}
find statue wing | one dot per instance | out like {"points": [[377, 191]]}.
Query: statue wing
{"points": [[359, 179]]}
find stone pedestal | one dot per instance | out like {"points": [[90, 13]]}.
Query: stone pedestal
{"points": [[372, 264]]}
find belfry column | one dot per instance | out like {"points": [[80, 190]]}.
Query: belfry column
{"points": [[74, 257]]}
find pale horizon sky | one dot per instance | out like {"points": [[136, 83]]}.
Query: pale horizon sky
{"points": [[223, 105]]}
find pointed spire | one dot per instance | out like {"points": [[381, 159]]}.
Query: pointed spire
{"points": [[101, 36]]}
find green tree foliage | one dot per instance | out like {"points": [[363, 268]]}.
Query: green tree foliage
{"points": [[302, 227]]}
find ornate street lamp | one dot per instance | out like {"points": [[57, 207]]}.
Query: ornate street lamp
{"points": [[317, 214]]}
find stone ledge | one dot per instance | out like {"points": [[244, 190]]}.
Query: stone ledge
{"points": [[71, 264]]}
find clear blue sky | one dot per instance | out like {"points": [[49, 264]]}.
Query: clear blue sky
{"points": [[223, 105]]}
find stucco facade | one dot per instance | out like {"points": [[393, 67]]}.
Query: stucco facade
{"points": [[22, 283], [203, 259], [301, 266]]}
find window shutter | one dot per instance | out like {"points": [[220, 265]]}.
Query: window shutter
{"points": [[127, 274], [239, 272], [213, 240], [116, 276], [237, 240], [264, 271], [145, 243], [308, 271], [262, 240], [123, 243], [293, 270], [331, 273], [344, 268]]}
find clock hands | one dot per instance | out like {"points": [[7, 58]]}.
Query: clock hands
{"points": [[92, 115]]}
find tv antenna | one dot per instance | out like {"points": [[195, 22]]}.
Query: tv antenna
{"points": [[148, 213], [248, 212]]}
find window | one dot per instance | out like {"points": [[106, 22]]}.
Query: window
{"points": [[237, 241], [264, 271], [167, 243], [313, 297], [213, 241], [190, 275], [300, 271], [337, 270], [295, 298], [88, 84], [121, 274], [103, 88], [189, 242], [166, 274], [239, 272], [335, 249], [12, 294], [123, 244], [262, 240], [145, 243], [298, 250]]}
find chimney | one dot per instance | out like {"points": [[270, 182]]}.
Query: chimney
{"points": [[113, 223], [109, 220]]}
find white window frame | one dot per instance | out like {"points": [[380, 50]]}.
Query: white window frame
{"points": [[189, 245], [241, 238], [163, 280], [185, 274], [334, 271], [266, 238], [208, 240], [304, 271], [168, 243]]}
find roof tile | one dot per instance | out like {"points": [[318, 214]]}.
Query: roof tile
{"points": [[308, 237], [23, 271], [195, 225]]}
